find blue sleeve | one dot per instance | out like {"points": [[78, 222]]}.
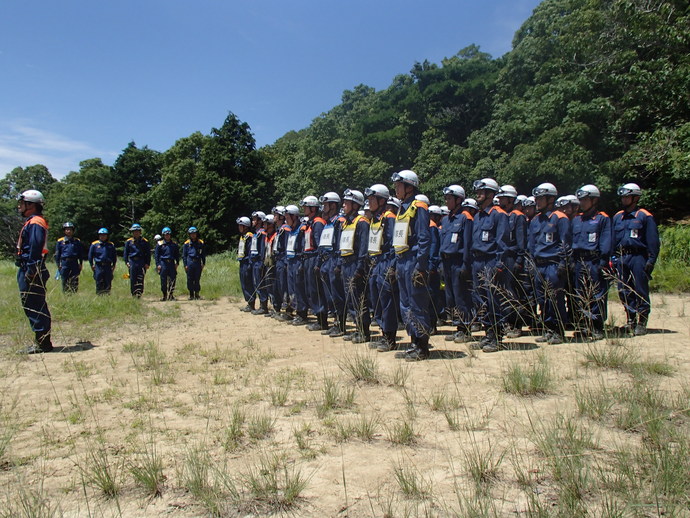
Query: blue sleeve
{"points": [[90, 256], [388, 233], [316, 231], [502, 233], [435, 248], [653, 243], [185, 253], [531, 231], [125, 252], [468, 225], [362, 245], [202, 253], [176, 253], [58, 252], [521, 237], [566, 234], [606, 239], [157, 255], [423, 239], [113, 254]]}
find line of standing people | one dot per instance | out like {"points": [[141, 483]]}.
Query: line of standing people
{"points": [[506, 262]]}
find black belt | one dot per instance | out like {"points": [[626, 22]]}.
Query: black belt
{"points": [[628, 250], [168, 260], [104, 263], [482, 255], [546, 261], [587, 254]]}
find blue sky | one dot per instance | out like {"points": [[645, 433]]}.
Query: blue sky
{"points": [[81, 79]]}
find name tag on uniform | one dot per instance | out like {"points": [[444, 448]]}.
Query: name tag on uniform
{"points": [[346, 240], [400, 234], [375, 239], [485, 235], [454, 237], [633, 233], [326, 237], [549, 237], [291, 243], [592, 237]]}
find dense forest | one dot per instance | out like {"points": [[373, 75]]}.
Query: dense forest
{"points": [[593, 91]]}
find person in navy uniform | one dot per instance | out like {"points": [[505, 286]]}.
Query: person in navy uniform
{"points": [[514, 260], [257, 254], [279, 243], [33, 274], [293, 252], [456, 245], [69, 257], [636, 248], [167, 255], [329, 258], [194, 261], [592, 249], [103, 258], [312, 268], [382, 277], [490, 235], [354, 256], [137, 257], [549, 242], [244, 226], [412, 243], [437, 303]]}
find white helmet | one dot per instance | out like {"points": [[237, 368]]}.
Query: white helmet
{"points": [[572, 199], [488, 184], [445, 210], [423, 198], [244, 220], [529, 201], [378, 189], [392, 200], [507, 191], [561, 201], [435, 209], [545, 189], [588, 191], [310, 201], [270, 219], [32, 196], [455, 190], [292, 209], [332, 197], [354, 196], [259, 214], [278, 209], [406, 176], [158, 237], [520, 199], [470, 203], [629, 189]]}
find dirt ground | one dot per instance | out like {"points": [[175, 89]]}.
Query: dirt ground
{"points": [[174, 386]]}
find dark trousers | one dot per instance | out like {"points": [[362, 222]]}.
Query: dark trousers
{"points": [[103, 275], [247, 281], [137, 272], [591, 294], [168, 278], [194, 276], [550, 290], [633, 284], [488, 286], [381, 295], [414, 299], [32, 292], [69, 274], [356, 295], [459, 305], [314, 286]]}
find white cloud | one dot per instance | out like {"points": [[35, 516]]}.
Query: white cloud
{"points": [[23, 143]]}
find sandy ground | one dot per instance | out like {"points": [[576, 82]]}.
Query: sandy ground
{"points": [[111, 397]]}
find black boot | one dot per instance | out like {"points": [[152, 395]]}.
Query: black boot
{"points": [[641, 327], [387, 343], [420, 352], [263, 308]]}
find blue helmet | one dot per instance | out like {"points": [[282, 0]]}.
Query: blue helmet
{"points": [[103, 230], [166, 230], [192, 230], [135, 226]]}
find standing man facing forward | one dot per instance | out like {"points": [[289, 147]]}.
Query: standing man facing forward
{"points": [[194, 261], [167, 256], [137, 256], [103, 258], [636, 245], [33, 274], [69, 256]]}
